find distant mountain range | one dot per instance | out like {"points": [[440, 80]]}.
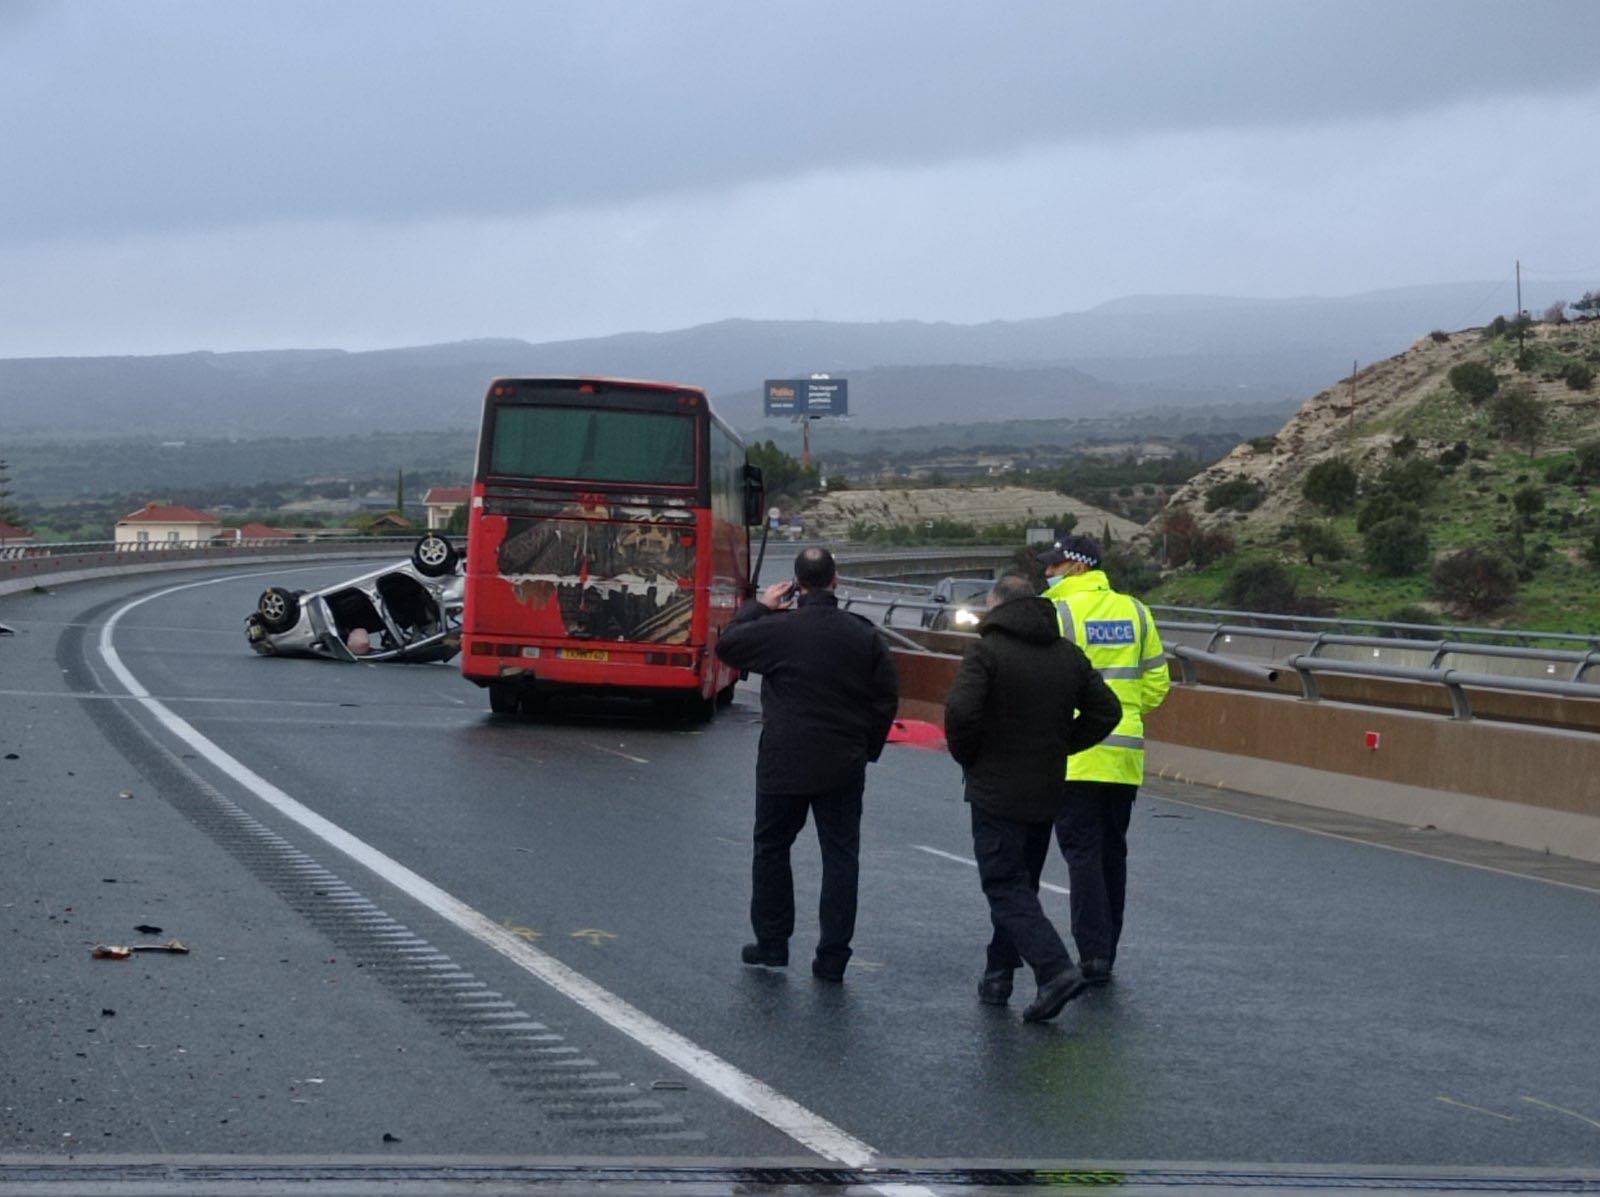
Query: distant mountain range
{"points": [[1140, 351]]}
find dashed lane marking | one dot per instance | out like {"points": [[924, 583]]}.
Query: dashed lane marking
{"points": [[803, 1125], [1055, 889]]}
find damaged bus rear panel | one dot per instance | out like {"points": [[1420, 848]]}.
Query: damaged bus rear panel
{"points": [[609, 542]]}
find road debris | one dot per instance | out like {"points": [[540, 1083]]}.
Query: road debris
{"points": [[388, 1138], [147, 929], [668, 1085], [12, 756], [113, 951], [124, 793]]}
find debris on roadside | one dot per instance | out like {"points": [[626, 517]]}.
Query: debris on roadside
{"points": [[147, 929], [103, 951], [668, 1085], [124, 793], [13, 756], [388, 1138]]}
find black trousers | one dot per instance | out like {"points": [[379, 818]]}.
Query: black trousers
{"points": [[779, 818], [1011, 856], [1093, 830]]}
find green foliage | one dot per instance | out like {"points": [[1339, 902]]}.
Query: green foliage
{"points": [[1130, 572], [1518, 416], [1474, 381], [1404, 446], [1318, 539], [1236, 494], [1412, 480], [1261, 585], [1591, 549], [456, 525], [1262, 444], [8, 509], [1385, 505], [1331, 485], [1475, 580], [1453, 457], [1589, 305], [783, 475], [1587, 461], [1396, 547], [1528, 500], [1578, 375], [1407, 613]]}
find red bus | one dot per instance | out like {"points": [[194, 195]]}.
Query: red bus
{"points": [[608, 543]]}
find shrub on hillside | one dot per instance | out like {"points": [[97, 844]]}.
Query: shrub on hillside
{"points": [[1439, 336], [1473, 381], [1579, 376], [1518, 416], [1528, 501], [1556, 313], [1187, 543], [1318, 539], [1261, 586], [1412, 480], [1385, 505], [1130, 571], [1262, 444], [1559, 472], [1587, 461], [1495, 328], [1408, 613], [1403, 446], [1236, 494], [1396, 547], [1591, 549], [1331, 485], [1455, 456], [1475, 580]]}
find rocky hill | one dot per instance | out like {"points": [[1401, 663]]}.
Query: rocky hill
{"points": [[1375, 486], [832, 515], [1407, 398]]}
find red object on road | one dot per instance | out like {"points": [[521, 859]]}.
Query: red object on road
{"points": [[918, 733]]}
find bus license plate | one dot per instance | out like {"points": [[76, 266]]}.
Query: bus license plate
{"points": [[585, 654]]}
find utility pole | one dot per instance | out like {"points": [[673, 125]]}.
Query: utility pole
{"points": [[1519, 307], [805, 442]]}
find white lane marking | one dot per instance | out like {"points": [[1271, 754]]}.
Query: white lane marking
{"points": [[806, 1127], [1055, 889], [627, 756], [1562, 1110]]}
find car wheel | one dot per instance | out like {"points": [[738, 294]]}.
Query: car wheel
{"points": [[434, 555], [278, 608], [504, 698]]}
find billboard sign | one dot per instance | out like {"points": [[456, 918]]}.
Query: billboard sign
{"points": [[806, 397]]}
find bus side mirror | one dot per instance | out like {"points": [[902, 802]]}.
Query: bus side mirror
{"points": [[755, 497]]}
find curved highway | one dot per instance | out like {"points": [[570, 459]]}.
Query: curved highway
{"points": [[1282, 996]]}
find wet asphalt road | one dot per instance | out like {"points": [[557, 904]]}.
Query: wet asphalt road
{"points": [[1281, 996]]}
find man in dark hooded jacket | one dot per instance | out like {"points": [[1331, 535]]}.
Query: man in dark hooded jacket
{"points": [[1023, 699]]}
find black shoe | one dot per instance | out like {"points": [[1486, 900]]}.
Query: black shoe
{"points": [[767, 955], [1096, 971], [1053, 995], [995, 988], [831, 971]]}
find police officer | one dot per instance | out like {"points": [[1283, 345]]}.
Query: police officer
{"points": [[1120, 639], [828, 698]]}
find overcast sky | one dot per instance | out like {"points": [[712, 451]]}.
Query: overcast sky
{"points": [[228, 174]]}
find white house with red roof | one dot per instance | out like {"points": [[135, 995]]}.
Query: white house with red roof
{"points": [[11, 535], [442, 502], [158, 524]]}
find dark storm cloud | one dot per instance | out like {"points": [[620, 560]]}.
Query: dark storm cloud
{"points": [[161, 116]]}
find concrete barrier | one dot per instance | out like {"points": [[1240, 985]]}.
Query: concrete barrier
{"points": [[26, 573], [1533, 786]]}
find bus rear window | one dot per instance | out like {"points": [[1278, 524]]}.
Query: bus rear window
{"points": [[591, 445]]}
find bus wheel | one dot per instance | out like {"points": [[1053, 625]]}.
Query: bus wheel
{"points": [[725, 695], [504, 698], [696, 710]]}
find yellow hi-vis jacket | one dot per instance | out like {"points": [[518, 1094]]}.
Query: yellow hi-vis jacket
{"points": [[1120, 639]]}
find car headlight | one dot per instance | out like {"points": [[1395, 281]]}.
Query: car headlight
{"points": [[966, 619]]}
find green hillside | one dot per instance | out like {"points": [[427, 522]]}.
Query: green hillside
{"points": [[1456, 481]]}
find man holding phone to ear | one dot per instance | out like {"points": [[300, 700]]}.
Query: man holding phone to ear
{"points": [[828, 698]]}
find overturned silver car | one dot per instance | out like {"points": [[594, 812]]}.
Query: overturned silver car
{"points": [[405, 612]]}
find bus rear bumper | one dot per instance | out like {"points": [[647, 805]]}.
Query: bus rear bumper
{"points": [[609, 668]]}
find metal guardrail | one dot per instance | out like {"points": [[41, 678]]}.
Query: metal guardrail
{"points": [[1308, 665], [151, 550], [1265, 621]]}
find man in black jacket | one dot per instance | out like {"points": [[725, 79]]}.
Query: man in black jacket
{"points": [[828, 697], [1023, 699]]}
